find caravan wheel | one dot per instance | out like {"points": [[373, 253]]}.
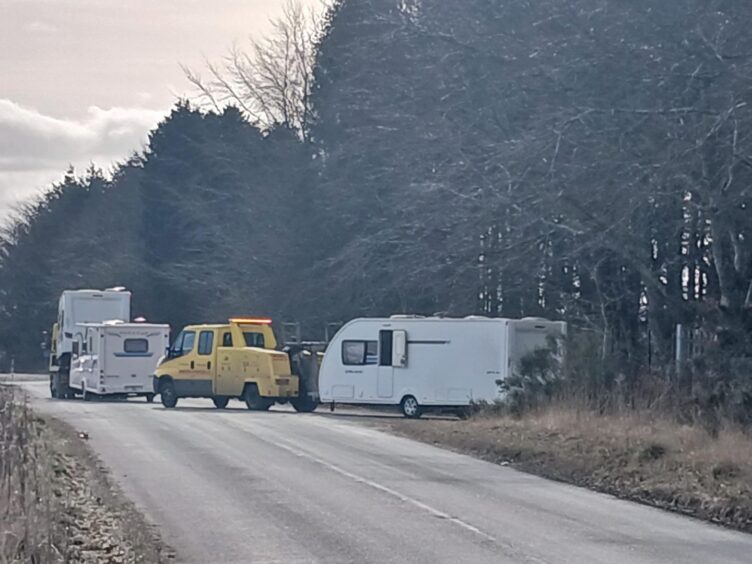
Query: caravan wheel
{"points": [[410, 407]]}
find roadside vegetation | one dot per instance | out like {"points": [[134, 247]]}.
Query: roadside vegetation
{"points": [[674, 446], [638, 456], [56, 503]]}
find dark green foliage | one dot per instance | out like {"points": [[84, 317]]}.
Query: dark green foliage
{"points": [[535, 380], [200, 227]]}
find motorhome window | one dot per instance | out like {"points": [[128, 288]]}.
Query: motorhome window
{"points": [[254, 339], [353, 353], [136, 346], [385, 348], [227, 340], [205, 342]]}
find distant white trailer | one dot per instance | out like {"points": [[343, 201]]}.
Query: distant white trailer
{"points": [[117, 358], [425, 364]]}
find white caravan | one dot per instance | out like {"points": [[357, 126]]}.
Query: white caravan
{"points": [[117, 358], [427, 363], [76, 307]]}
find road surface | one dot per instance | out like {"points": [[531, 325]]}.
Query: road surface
{"points": [[234, 486]]}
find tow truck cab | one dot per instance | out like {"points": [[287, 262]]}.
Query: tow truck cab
{"points": [[237, 360]]}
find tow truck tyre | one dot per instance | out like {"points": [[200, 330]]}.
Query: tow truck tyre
{"points": [[220, 402], [253, 399], [304, 405], [168, 395], [410, 407]]}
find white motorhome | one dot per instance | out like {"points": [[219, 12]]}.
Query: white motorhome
{"points": [[74, 308], [117, 358], [427, 363]]}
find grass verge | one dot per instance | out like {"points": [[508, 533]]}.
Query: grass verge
{"points": [[57, 503], [632, 456]]}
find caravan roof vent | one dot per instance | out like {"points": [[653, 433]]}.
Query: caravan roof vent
{"points": [[476, 317], [116, 289], [406, 316]]}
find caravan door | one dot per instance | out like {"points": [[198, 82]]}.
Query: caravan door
{"points": [[385, 378]]}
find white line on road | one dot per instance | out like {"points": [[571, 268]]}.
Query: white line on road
{"points": [[375, 485]]}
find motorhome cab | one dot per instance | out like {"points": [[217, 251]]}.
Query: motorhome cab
{"points": [[117, 358], [427, 363], [74, 308]]}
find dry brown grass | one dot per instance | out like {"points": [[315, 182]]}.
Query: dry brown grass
{"points": [[27, 501], [637, 456], [56, 503]]}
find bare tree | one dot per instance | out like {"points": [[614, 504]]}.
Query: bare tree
{"points": [[270, 82]]}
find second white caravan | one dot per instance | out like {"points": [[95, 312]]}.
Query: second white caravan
{"points": [[117, 358], [427, 363]]}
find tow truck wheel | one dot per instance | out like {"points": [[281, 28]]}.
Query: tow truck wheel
{"points": [[220, 402], [253, 399], [168, 395], [304, 405]]}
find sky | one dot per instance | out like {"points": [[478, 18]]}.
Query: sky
{"points": [[84, 81]]}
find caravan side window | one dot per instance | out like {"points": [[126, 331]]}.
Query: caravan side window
{"points": [[359, 353], [135, 346]]}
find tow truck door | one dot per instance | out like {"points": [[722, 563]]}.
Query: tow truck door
{"points": [[206, 355]]}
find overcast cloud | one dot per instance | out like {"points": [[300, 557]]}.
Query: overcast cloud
{"points": [[36, 149], [84, 81]]}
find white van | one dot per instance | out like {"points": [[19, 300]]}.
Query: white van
{"points": [[117, 358], [427, 363]]}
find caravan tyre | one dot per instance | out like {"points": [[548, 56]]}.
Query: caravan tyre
{"points": [[53, 386], [149, 398], [410, 407], [85, 394]]}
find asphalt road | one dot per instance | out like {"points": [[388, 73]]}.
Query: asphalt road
{"points": [[234, 486]]}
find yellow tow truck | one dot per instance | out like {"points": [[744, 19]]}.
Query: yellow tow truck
{"points": [[237, 360]]}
